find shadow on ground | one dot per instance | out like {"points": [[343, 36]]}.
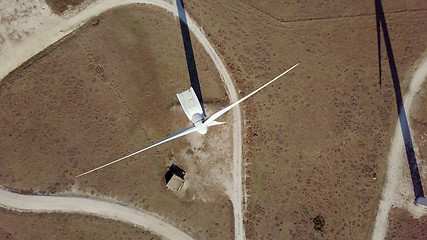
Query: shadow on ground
{"points": [[410, 153]]}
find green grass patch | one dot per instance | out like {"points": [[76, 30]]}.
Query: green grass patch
{"points": [[189, 152]]}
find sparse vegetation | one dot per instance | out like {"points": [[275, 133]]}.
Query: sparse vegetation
{"points": [[322, 133], [51, 226], [60, 6], [320, 136], [189, 152], [99, 94], [419, 127], [402, 225], [319, 223]]}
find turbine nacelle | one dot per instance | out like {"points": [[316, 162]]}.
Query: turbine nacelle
{"points": [[193, 109]]}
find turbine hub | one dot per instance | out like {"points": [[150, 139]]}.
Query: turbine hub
{"points": [[201, 127]]}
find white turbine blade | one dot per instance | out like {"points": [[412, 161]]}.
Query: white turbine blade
{"points": [[176, 135], [221, 112], [214, 123]]}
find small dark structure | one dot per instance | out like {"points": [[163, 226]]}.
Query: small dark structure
{"points": [[174, 178]]}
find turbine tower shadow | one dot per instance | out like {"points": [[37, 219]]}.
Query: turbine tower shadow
{"points": [[188, 47], [410, 153]]}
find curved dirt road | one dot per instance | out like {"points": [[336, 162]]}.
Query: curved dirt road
{"points": [[53, 29], [396, 159], [95, 207]]}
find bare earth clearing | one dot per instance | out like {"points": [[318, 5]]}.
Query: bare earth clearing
{"points": [[318, 143], [92, 98]]}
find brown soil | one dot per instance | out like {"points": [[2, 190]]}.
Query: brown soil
{"points": [[106, 91], [60, 6], [403, 226], [16, 225], [317, 141], [419, 134], [294, 10]]}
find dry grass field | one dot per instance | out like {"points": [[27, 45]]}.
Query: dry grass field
{"points": [[59, 6], [404, 226], [316, 143], [294, 10], [419, 126], [16, 225], [108, 90]]}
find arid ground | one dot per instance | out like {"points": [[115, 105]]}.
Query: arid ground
{"points": [[402, 224], [317, 144], [108, 90], [16, 225], [419, 126], [59, 6]]}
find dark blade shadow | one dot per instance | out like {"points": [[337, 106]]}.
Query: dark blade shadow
{"points": [[379, 45], [188, 47], [410, 153]]}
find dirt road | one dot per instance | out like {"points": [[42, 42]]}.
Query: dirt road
{"points": [[51, 28], [396, 161], [95, 207]]}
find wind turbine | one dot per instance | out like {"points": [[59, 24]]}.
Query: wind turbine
{"points": [[194, 111]]}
